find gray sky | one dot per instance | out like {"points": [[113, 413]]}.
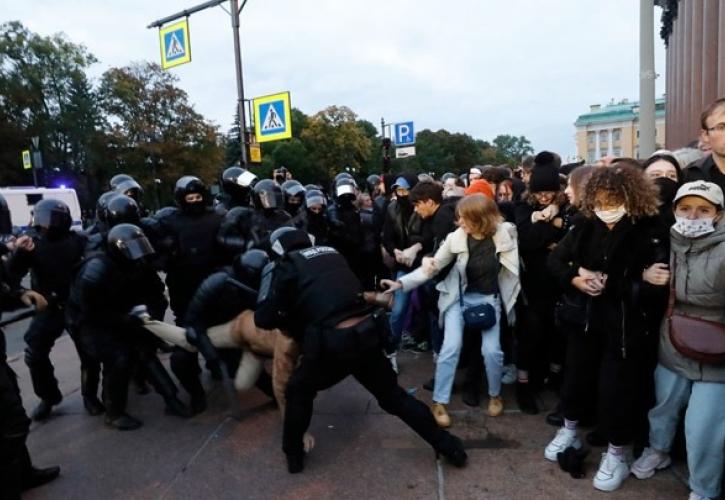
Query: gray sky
{"points": [[482, 67]]}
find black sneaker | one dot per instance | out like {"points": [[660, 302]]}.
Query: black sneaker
{"points": [[93, 405], [177, 408], [525, 399], [43, 409]]}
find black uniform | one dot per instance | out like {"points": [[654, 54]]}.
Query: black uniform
{"points": [[314, 296], [244, 228], [51, 263]]}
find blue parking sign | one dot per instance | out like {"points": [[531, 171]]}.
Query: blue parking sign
{"points": [[404, 134]]}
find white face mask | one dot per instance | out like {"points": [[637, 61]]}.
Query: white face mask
{"points": [[692, 228], [611, 216]]}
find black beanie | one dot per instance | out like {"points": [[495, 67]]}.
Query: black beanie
{"points": [[544, 178]]}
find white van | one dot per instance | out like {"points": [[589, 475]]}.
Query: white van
{"points": [[22, 199]]}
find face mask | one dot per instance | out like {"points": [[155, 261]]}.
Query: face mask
{"points": [[668, 189], [693, 228], [195, 208], [611, 216]]}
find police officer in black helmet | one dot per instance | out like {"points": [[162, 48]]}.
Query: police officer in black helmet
{"points": [[51, 258], [99, 225], [105, 292], [294, 196], [236, 185], [245, 228], [192, 254], [312, 295], [345, 224], [313, 218], [133, 190]]}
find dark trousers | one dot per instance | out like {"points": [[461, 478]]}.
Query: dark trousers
{"points": [[44, 330], [374, 372], [14, 425], [538, 342], [595, 364]]}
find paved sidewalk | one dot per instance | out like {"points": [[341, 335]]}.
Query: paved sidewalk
{"points": [[361, 451]]}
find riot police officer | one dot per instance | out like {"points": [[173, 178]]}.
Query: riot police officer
{"points": [[133, 190], [55, 252], [345, 223], [106, 289], [294, 196], [313, 219], [244, 228], [236, 185], [99, 225], [312, 294]]}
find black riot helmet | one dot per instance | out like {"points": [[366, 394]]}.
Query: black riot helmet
{"points": [[122, 209], [310, 187], [372, 181], [130, 188], [280, 174], [118, 179], [127, 242], [52, 217], [345, 190], [315, 197], [249, 265], [237, 182], [6, 225], [268, 195], [288, 239], [448, 175], [294, 196], [187, 185], [102, 204]]}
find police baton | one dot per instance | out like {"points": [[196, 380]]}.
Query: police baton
{"points": [[27, 313], [210, 354]]}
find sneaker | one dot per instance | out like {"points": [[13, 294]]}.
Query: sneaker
{"points": [[420, 347], [509, 374], [393, 361], [564, 439], [695, 496], [407, 341], [440, 415], [613, 470], [495, 406], [649, 462]]}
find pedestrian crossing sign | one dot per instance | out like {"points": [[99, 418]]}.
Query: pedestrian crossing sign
{"points": [[175, 46], [273, 117]]}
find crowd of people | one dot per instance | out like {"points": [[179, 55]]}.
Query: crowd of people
{"points": [[604, 283]]}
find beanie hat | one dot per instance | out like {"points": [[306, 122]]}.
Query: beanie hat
{"points": [[545, 174], [480, 186]]}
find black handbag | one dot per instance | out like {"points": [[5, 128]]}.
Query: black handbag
{"points": [[480, 317], [572, 308]]}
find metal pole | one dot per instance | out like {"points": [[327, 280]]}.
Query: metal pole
{"points": [[234, 8], [646, 79], [185, 13]]}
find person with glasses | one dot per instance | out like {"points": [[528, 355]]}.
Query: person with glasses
{"points": [[712, 167]]}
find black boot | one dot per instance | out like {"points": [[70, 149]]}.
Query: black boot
{"points": [[164, 385], [525, 399], [471, 394], [430, 385], [177, 408], [198, 402], [556, 417], [93, 405], [452, 449], [11, 467], [43, 409], [295, 463], [123, 422], [90, 377], [33, 477]]}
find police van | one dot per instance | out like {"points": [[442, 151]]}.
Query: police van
{"points": [[22, 199]]}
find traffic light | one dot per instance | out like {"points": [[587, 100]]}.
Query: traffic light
{"points": [[386, 154]]}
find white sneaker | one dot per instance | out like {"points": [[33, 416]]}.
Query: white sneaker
{"points": [[695, 496], [393, 361], [613, 470], [651, 461], [564, 438], [510, 374]]}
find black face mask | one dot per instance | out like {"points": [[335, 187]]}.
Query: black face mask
{"points": [[195, 208], [667, 188], [280, 178], [293, 208]]}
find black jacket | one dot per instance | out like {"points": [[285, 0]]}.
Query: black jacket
{"points": [[219, 299], [704, 170], [621, 253], [402, 229], [244, 228]]}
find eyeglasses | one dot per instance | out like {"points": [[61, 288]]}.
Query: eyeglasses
{"points": [[719, 128]]}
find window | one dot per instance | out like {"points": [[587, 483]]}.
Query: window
{"points": [[617, 152], [591, 137], [617, 134], [590, 157]]}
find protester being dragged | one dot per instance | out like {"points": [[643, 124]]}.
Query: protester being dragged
{"points": [[540, 226], [483, 281], [687, 376], [610, 256]]}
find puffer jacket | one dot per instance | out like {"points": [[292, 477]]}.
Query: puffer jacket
{"points": [[699, 265], [455, 247]]}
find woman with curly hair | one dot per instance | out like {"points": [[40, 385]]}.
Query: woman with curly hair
{"points": [[613, 256]]}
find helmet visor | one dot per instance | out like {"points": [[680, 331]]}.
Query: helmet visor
{"points": [[270, 199], [136, 248]]}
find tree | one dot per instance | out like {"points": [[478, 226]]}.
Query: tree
{"points": [[511, 149], [152, 129], [336, 142]]}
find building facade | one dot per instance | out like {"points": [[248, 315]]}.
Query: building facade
{"points": [[613, 130], [694, 32]]}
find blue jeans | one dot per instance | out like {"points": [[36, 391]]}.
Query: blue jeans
{"points": [[704, 426], [397, 315], [453, 341]]}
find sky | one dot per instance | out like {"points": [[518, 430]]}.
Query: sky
{"points": [[481, 67]]}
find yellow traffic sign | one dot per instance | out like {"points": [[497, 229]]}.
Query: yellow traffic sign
{"points": [[175, 44], [273, 117], [27, 163], [255, 153]]}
